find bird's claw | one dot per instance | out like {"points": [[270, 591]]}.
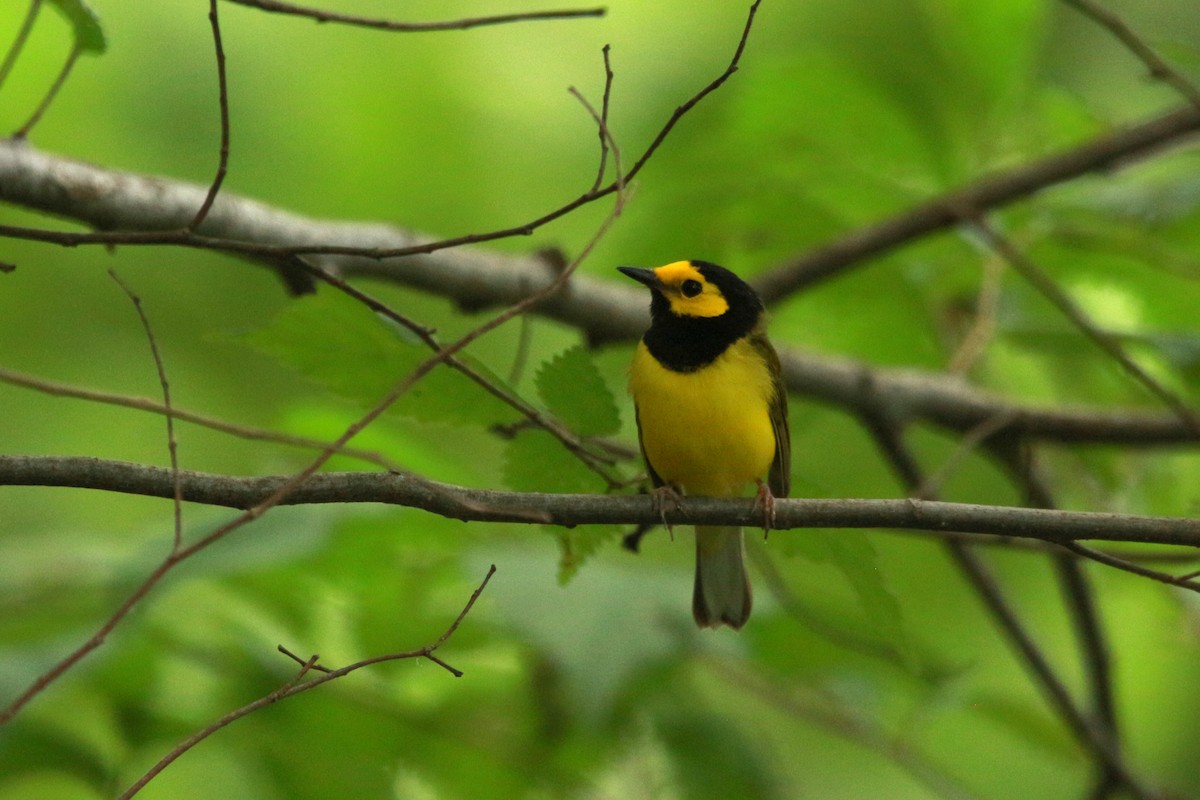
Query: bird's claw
{"points": [[667, 498], [765, 500]]}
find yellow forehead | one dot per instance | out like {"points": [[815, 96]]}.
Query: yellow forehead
{"points": [[709, 303], [677, 272]]}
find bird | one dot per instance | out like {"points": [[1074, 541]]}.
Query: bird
{"points": [[711, 412]]}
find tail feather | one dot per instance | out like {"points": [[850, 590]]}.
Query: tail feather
{"points": [[722, 593]]}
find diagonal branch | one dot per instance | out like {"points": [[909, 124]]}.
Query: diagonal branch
{"points": [[993, 191], [1158, 68], [1055, 294]]}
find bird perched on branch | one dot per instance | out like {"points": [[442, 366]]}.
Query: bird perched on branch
{"points": [[711, 415]]}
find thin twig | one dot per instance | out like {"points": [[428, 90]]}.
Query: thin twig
{"points": [[1054, 293], [1158, 68], [1187, 581], [172, 442], [608, 81], [223, 102], [320, 15], [298, 684], [18, 44], [23, 131], [574, 444], [56, 389]]}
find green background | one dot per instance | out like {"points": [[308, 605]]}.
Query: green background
{"points": [[583, 674]]}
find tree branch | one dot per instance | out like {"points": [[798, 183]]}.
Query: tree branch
{"points": [[478, 278], [941, 213], [488, 505]]}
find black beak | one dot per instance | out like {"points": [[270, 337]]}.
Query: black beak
{"points": [[642, 275]]}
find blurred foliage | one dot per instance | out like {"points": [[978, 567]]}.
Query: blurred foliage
{"points": [[583, 674]]}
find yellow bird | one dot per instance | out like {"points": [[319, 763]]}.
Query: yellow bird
{"points": [[711, 414]]}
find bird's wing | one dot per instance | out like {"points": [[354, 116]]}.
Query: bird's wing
{"points": [[657, 481], [780, 477]]}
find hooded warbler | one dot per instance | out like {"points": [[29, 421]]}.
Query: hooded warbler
{"points": [[711, 414]]}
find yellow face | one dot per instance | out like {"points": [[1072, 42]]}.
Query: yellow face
{"points": [[689, 293]]}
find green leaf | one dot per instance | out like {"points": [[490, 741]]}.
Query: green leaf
{"points": [[89, 36], [339, 344], [535, 461], [572, 388]]}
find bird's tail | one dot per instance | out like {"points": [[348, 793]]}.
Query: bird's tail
{"points": [[722, 593]]}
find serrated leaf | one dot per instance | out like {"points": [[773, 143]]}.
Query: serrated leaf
{"points": [[851, 553], [337, 343], [534, 461], [89, 36], [573, 389]]}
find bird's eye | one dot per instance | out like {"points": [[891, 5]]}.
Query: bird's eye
{"points": [[691, 288]]}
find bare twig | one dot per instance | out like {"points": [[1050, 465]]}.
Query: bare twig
{"points": [[51, 93], [1187, 581], [14, 51], [573, 443], [298, 684], [320, 15], [172, 443], [223, 102], [603, 123], [1050, 290], [55, 389], [1158, 68]]}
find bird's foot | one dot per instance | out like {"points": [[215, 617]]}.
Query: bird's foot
{"points": [[765, 500], [667, 498]]}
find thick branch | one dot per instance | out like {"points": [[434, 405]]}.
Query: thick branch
{"points": [[487, 505], [477, 278]]}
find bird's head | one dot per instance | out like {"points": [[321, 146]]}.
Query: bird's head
{"points": [[696, 289]]}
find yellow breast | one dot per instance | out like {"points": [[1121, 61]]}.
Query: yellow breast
{"points": [[708, 431]]}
